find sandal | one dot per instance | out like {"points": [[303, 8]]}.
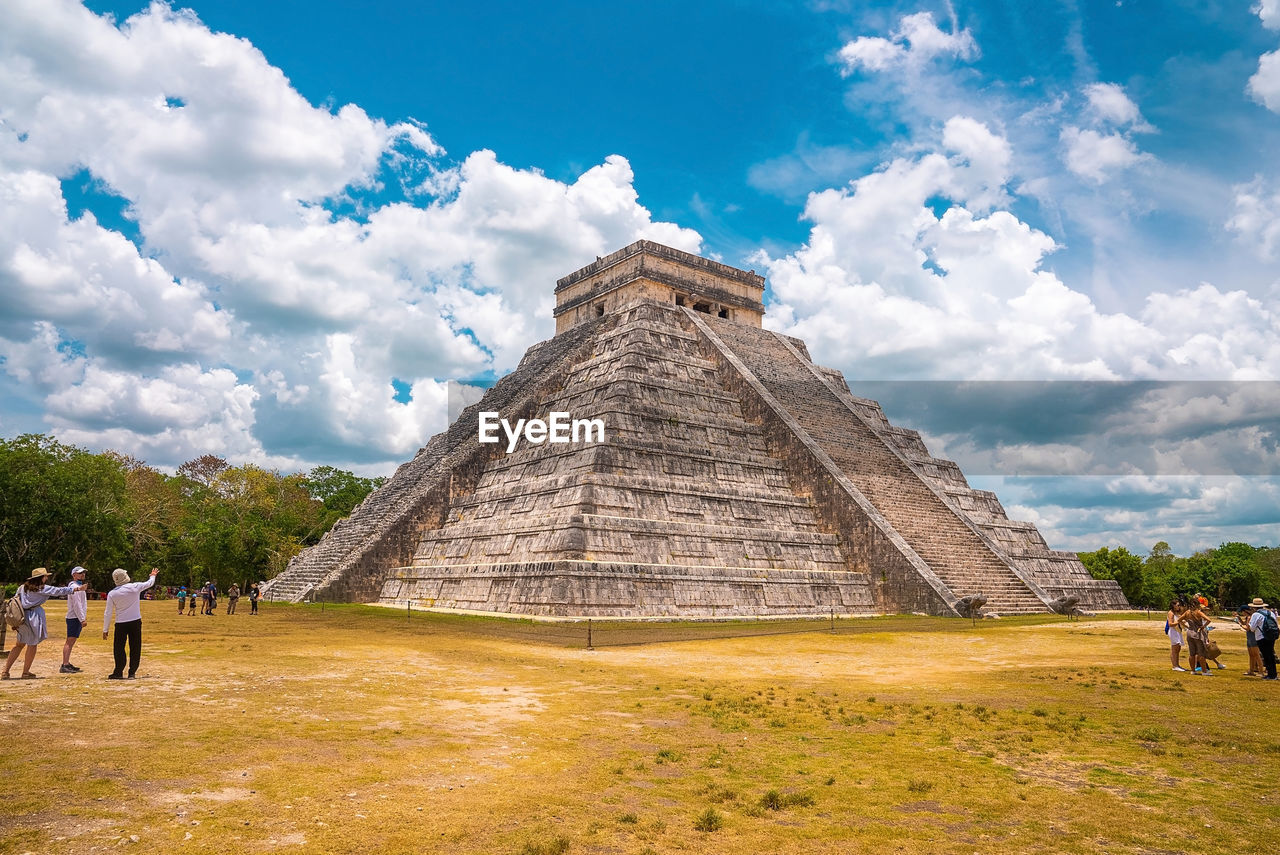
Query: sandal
{"points": [[29, 676]]}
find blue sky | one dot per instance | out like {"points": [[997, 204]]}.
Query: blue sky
{"points": [[273, 230]]}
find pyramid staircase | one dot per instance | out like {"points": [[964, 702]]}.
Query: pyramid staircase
{"points": [[958, 553]]}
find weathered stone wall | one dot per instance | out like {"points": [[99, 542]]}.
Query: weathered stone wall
{"points": [[383, 531], [615, 589], [647, 270]]}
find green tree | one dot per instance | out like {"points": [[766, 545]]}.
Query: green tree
{"points": [[1268, 559], [1118, 564], [1157, 575], [1234, 573], [60, 506], [245, 522], [340, 490]]}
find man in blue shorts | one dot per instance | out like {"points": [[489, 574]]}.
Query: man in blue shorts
{"points": [[77, 612]]}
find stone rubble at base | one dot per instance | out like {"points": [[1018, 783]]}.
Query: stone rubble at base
{"points": [[737, 478]]}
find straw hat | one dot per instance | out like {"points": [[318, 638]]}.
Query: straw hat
{"points": [[1258, 604], [38, 573]]}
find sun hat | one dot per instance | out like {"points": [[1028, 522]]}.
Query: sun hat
{"points": [[1258, 604], [38, 573], [120, 576]]}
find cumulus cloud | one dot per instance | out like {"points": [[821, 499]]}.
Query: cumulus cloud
{"points": [[1269, 12], [1109, 103], [1264, 85], [1256, 220], [964, 293], [1098, 153], [1137, 511], [252, 319], [916, 41], [1097, 156]]}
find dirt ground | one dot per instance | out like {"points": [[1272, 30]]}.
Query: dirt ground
{"points": [[359, 729]]}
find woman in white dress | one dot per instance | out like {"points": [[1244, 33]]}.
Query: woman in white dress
{"points": [[32, 595], [1172, 620]]}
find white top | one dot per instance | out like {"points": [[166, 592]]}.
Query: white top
{"points": [[78, 603], [123, 599], [1255, 623]]}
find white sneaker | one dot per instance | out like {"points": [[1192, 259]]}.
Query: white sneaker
{"points": [[1221, 667], [1184, 670]]}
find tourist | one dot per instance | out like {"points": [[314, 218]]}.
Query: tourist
{"points": [[255, 593], [31, 596], [1263, 622], [1194, 624], [191, 604], [211, 597], [77, 614], [233, 595], [1171, 623], [123, 601], [1251, 642], [182, 599]]}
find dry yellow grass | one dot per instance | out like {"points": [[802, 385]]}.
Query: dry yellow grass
{"points": [[356, 730]]}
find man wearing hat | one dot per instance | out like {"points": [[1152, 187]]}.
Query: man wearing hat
{"points": [[77, 613], [123, 602], [1266, 641], [31, 596]]}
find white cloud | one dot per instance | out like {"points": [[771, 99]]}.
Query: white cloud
{"points": [[1109, 103], [915, 42], [1190, 513], [965, 295], [1257, 217], [1264, 85], [1097, 156], [1269, 12], [249, 295]]}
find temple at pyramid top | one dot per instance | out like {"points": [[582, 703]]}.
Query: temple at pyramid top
{"points": [[648, 270]]}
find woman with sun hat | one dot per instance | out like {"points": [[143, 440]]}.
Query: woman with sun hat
{"points": [[31, 595]]}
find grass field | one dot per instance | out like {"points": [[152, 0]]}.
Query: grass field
{"points": [[356, 729]]}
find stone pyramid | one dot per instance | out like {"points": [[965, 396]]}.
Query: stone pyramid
{"points": [[735, 478]]}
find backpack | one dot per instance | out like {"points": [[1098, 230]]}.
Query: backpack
{"points": [[15, 616], [1270, 629]]}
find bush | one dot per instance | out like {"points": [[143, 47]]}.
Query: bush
{"points": [[555, 846], [709, 820]]}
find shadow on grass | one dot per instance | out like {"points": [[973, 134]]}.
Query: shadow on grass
{"points": [[583, 634]]}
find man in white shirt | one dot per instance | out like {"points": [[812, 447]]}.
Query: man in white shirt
{"points": [[123, 601], [1266, 646], [77, 614]]}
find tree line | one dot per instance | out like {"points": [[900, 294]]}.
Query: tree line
{"points": [[210, 521], [61, 506], [1229, 576]]}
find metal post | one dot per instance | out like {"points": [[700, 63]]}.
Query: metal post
{"points": [[408, 609], [833, 620], [589, 647]]}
